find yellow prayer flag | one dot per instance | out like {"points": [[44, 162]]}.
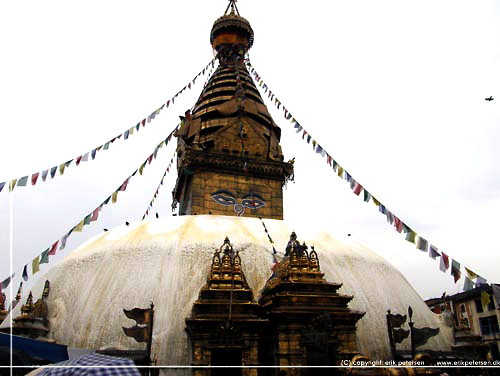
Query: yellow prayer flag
{"points": [[375, 201], [142, 168], [340, 172], [114, 196], [470, 273], [485, 298], [12, 185], [61, 168], [79, 227], [35, 265]]}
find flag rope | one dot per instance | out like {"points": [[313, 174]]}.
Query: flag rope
{"points": [[44, 174], [410, 235], [43, 258]]}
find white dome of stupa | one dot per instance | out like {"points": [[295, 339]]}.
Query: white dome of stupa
{"points": [[166, 261]]}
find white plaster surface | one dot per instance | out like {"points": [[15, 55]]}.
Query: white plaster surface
{"points": [[166, 261]]}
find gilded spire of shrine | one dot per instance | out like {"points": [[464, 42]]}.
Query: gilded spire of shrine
{"points": [[229, 157]]}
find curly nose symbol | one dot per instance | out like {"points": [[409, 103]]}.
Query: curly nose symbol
{"points": [[240, 209]]}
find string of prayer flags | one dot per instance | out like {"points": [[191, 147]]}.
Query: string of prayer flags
{"points": [[410, 235], [87, 220], [268, 236], [22, 182], [159, 185]]}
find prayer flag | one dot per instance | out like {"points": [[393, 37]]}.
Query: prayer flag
{"points": [[85, 157], [357, 189], [106, 146], [68, 162], [142, 168], [45, 257], [308, 138], [1, 186], [63, 241], [107, 201], [367, 196], [79, 226], [86, 220], [137, 126], [340, 172], [44, 174], [95, 214], [433, 252], [390, 217], [168, 103], [114, 196], [34, 178], [92, 153], [398, 224], [78, 159], [480, 281], [143, 122], [470, 273], [422, 244], [455, 270], [35, 265], [22, 182], [6, 281], [124, 185], [314, 144], [468, 285], [25, 272], [62, 166], [444, 264], [381, 209], [125, 135], [375, 201], [485, 298], [53, 249], [53, 172], [131, 131]]}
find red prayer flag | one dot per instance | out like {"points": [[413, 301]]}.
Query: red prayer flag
{"points": [[398, 224], [78, 159], [357, 189], [304, 134], [52, 251], [150, 158], [445, 262], [34, 178], [124, 185], [95, 214], [143, 122], [168, 103]]}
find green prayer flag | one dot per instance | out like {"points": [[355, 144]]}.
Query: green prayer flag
{"points": [[367, 195], [86, 221], [35, 265], [106, 146], [45, 257], [22, 182]]}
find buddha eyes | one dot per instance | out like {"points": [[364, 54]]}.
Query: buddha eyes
{"points": [[224, 199], [252, 203]]}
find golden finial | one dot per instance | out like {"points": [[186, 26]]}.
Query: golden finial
{"points": [[28, 307], [19, 292]]}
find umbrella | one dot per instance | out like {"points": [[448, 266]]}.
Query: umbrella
{"points": [[77, 366]]}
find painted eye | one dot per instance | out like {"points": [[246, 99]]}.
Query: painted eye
{"points": [[223, 199], [252, 203]]}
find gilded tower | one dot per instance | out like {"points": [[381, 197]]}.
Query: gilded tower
{"points": [[229, 157]]}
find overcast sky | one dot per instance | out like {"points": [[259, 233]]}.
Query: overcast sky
{"points": [[393, 90]]}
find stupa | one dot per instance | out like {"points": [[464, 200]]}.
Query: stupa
{"points": [[209, 300]]}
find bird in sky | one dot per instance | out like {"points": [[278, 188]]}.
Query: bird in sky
{"points": [[489, 99], [127, 223]]}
